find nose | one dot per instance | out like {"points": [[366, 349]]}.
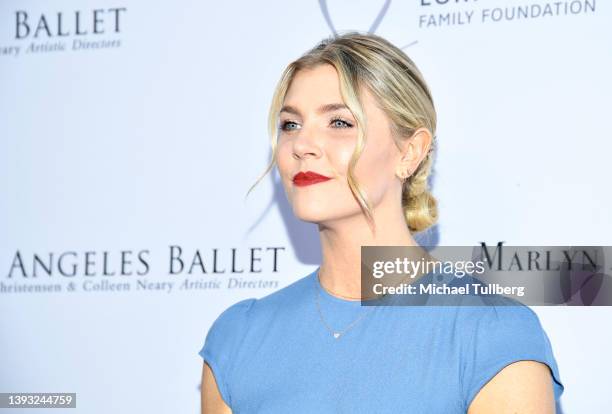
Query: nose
{"points": [[306, 145]]}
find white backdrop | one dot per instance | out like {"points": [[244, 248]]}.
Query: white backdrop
{"points": [[125, 151]]}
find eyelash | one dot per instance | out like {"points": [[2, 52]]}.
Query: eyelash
{"points": [[347, 124]]}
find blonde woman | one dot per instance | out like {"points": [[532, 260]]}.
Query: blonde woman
{"points": [[353, 127]]}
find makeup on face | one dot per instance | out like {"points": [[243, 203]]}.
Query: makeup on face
{"points": [[302, 179]]}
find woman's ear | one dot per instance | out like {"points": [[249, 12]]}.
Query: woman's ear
{"points": [[415, 149]]}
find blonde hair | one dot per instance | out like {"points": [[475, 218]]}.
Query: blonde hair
{"points": [[371, 61]]}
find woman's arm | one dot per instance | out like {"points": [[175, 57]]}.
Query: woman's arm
{"points": [[523, 387], [211, 400]]}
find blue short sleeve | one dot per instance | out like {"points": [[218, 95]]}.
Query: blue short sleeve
{"points": [[503, 335], [223, 340]]}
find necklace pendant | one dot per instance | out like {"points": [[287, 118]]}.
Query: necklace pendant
{"points": [[336, 335]]}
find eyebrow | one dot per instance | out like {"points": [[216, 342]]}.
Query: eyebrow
{"points": [[321, 110]]}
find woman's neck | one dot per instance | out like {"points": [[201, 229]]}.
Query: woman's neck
{"points": [[340, 271]]}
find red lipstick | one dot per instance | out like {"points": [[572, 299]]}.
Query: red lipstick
{"points": [[302, 179]]}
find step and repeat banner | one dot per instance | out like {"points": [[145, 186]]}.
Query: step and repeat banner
{"points": [[130, 132]]}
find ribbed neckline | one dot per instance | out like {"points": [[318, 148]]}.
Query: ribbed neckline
{"points": [[328, 296], [386, 300]]}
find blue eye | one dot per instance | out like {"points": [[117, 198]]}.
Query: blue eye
{"points": [[335, 123], [341, 123], [284, 125]]}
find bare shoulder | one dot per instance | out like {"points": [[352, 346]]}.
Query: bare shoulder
{"points": [[211, 400], [523, 387]]}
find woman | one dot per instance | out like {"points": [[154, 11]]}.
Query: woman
{"points": [[353, 126]]}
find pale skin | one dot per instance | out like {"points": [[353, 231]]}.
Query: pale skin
{"points": [[323, 141]]}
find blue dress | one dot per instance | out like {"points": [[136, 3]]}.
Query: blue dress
{"points": [[277, 354]]}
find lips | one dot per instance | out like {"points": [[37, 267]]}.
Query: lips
{"points": [[308, 178]]}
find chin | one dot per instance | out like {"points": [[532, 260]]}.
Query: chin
{"points": [[322, 214], [313, 215], [312, 208]]}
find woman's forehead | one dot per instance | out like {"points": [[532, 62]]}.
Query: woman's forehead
{"points": [[318, 88], [321, 82]]}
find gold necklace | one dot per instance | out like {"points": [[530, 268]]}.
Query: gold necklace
{"points": [[338, 294], [336, 334]]}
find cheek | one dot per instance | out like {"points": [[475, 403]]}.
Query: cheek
{"points": [[375, 169], [339, 154], [285, 163], [284, 158]]}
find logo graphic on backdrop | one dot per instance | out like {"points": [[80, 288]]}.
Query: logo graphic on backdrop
{"points": [[64, 31], [373, 26], [139, 270], [450, 13], [485, 275], [445, 13]]}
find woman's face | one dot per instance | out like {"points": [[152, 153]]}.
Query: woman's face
{"points": [[317, 133]]}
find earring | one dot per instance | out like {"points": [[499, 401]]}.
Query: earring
{"points": [[406, 175]]}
